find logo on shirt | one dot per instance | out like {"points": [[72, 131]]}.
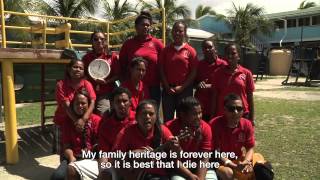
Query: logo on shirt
{"points": [[242, 77], [185, 54], [241, 137], [151, 45]]}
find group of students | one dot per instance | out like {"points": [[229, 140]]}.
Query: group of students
{"points": [[96, 115]]}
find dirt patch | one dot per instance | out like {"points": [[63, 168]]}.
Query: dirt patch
{"points": [[272, 88], [290, 95]]}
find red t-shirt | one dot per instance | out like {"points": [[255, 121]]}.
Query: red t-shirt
{"points": [[115, 70], [201, 143], [76, 140], [232, 139], [224, 83], [65, 92], [137, 95], [205, 70], [177, 65], [109, 129], [131, 138], [149, 49]]}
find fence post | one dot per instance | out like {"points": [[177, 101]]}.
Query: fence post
{"points": [[12, 155], [3, 26]]}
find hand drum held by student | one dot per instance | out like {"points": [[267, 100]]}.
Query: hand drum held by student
{"points": [[99, 69]]}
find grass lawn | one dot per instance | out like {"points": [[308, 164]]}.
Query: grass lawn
{"points": [[287, 134], [30, 114]]}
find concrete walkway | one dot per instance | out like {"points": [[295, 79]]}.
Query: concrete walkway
{"points": [[35, 153]]}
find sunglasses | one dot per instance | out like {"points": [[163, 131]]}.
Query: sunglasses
{"points": [[97, 39], [234, 108]]}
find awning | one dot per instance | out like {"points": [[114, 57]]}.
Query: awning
{"points": [[198, 33]]}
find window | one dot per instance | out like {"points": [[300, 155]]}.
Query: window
{"points": [[279, 24], [316, 20], [304, 21], [291, 23]]}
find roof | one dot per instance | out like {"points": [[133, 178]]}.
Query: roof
{"points": [[198, 33], [295, 13]]}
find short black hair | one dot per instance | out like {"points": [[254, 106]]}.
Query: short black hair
{"points": [[95, 32], [231, 97], [69, 65], [207, 40], [143, 15], [227, 48], [185, 28], [119, 90], [187, 104]]}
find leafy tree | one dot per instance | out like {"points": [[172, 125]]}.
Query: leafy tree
{"points": [[305, 5], [173, 10], [16, 20], [248, 21], [70, 8], [204, 10], [117, 10]]}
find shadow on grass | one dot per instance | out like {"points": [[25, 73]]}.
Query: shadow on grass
{"points": [[33, 144]]}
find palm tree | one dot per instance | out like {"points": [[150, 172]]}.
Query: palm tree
{"points": [[304, 4], [248, 21], [70, 8], [204, 10], [117, 10], [173, 11], [17, 6]]}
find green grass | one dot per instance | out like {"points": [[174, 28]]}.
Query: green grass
{"points": [[30, 114], [287, 134]]}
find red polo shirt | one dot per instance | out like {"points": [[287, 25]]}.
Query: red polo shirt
{"points": [[205, 70], [110, 128], [232, 139], [149, 49], [177, 65], [131, 138], [65, 92], [115, 70], [192, 144], [76, 140], [224, 83], [137, 95]]}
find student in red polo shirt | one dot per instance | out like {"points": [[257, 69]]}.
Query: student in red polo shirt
{"points": [[190, 115], [146, 46], [206, 68], [178, 69], [103, 87], [77, 138], [233, 133], [147, 134], [120, 117], [65, 89], [135, 84], [232, 79]]}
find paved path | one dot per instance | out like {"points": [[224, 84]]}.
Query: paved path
{"points": [[35, 154]]}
